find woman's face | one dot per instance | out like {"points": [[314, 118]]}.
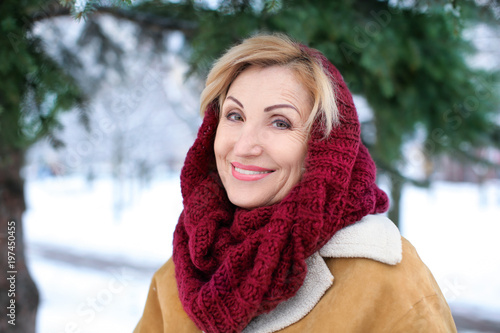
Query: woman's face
{"points": [[261, 139]]}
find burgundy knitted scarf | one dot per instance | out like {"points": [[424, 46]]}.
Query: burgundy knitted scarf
{"points": [[233, 264]]}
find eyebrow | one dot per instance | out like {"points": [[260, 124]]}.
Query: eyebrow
{"points": [[269, 108], [236, 101], [280, 106]]}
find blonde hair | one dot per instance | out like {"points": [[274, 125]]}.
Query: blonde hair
{"points": [[274, 50]]}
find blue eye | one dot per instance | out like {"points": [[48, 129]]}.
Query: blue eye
{"points": [[281, 124], [234, 116]]}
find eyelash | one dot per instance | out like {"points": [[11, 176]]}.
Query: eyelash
{"points": [[287, 125], [281, 121], [230, 114]]}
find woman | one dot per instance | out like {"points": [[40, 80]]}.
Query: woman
{"points": [[279, 230]]}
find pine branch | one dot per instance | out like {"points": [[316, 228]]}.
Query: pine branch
{"points": [[150, 21], [470, 157], [145, 20], [395, 175]]}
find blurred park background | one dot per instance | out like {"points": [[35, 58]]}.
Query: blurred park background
{"points": [[99, 104]]}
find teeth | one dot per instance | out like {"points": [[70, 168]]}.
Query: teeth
{"points": [[248, 172]]}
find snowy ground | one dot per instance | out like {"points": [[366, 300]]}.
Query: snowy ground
{"points": [[93, 264]]}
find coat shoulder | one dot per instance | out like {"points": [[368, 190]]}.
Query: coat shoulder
{"points": [[385, 298], [163, 311]]}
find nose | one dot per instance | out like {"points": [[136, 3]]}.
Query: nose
{"points": [[249, 141]]}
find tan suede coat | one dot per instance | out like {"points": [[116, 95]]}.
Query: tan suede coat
{"points": [[366, 296]]}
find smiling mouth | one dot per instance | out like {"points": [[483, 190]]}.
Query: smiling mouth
{"points": [[250, 172]]}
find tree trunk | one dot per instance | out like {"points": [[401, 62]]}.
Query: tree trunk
{"points": [[18, 293], [396, 192]]}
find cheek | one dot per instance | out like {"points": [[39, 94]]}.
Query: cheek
{"points": [[298, 151], [220, 145], [300, 159], [298, 162], [217, 143], [291, 157]]}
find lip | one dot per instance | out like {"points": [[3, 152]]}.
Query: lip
{"points": [[245, 177]]}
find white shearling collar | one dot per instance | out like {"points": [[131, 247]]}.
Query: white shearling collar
{"points": [[373, 237]]}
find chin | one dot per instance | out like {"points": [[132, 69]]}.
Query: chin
{"points": [[244, 202], [249, 202]]}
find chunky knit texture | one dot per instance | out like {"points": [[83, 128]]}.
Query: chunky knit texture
{"points": [[233, 264]]}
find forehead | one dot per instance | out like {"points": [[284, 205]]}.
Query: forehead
{"points": [[268, 73], [270, 82]]}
